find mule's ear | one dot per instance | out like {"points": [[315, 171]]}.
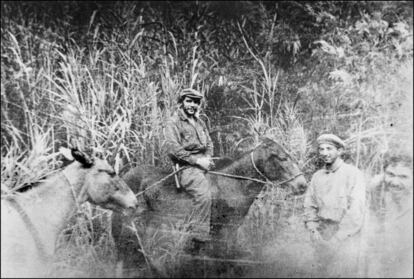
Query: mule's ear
{"points": [[66, 152], [82, 158]]}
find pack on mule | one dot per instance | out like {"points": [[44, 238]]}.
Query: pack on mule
{"points": [[31, 221], [232, 198]]}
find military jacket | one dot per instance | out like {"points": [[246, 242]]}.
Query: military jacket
{"points": [[186, 142]]}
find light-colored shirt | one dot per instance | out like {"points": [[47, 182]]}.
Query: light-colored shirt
{"points": [[337, 195]]}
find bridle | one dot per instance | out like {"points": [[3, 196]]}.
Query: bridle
{"points": [[81, 192], [266, 178], [266, 181]]}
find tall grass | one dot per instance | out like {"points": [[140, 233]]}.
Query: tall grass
{"points": [[112, 89], [101, 98]]}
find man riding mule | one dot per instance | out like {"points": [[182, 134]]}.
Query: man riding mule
{"points": [[234, 188], [188, 144]]}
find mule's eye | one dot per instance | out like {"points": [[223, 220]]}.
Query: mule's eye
{"points": [[111, 173], [281, 157], [390, 174]]}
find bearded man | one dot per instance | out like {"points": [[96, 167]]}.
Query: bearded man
{"points": [[391, 212], [188, 144]]}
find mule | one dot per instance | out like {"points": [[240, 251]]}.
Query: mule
{"points": [[232, 196], [31, 221]]}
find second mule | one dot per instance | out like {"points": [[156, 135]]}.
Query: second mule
{"points": [[31, 221]]}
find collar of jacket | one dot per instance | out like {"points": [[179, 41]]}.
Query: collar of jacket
{"points": [[183, 116]]}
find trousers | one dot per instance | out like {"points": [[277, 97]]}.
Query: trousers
{"points": [[195, 183], [339, 261]]}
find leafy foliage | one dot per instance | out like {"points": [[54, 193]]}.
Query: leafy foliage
{"points": [[105, 75]]}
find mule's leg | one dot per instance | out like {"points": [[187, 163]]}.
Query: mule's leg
{"points": [[116, 230], [127, 247], [116, 226], [224, 226]]}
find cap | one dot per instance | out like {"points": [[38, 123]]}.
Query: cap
{"points": [[331, 139], [189, 92]]}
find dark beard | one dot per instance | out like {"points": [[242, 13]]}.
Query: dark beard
{"points": [[391, 187], [190, 115], [398, 192]]}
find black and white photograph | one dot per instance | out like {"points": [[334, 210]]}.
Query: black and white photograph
{"points": [[206, 139]]}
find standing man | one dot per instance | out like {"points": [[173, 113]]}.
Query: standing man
{"points": [[188, 144], [334, 210], [391, 203]]}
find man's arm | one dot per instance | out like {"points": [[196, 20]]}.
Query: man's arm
{"points": [[354, 216], [311, 207], [311, 212]]}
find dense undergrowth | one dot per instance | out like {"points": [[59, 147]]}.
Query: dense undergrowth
{"points": [[105, 76]]}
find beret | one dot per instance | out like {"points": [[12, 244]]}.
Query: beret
{"points": [[189, 92], [331, 139]]}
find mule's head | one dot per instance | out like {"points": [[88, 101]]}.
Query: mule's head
{"points": [[277, 165], [102, 186]]}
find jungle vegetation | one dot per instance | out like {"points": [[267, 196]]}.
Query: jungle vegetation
{"points": [[105, 76]]}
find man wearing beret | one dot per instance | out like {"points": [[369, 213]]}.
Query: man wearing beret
{"points": [[188, 144], [334, 210]]}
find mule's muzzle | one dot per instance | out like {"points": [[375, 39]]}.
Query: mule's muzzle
{"points": [[132, 204], [299, 185], [123, 203]]}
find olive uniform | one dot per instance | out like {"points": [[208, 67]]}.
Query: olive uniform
{"points": [[187, 141]]}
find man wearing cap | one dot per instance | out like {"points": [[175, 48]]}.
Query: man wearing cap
{"points": [[188, 144], [334, 210]]}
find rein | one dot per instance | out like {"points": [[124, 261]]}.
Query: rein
{"points": [[76, 198], [259, 172], [161, 180], [238, 176], [227, 175], [253, 179]]}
